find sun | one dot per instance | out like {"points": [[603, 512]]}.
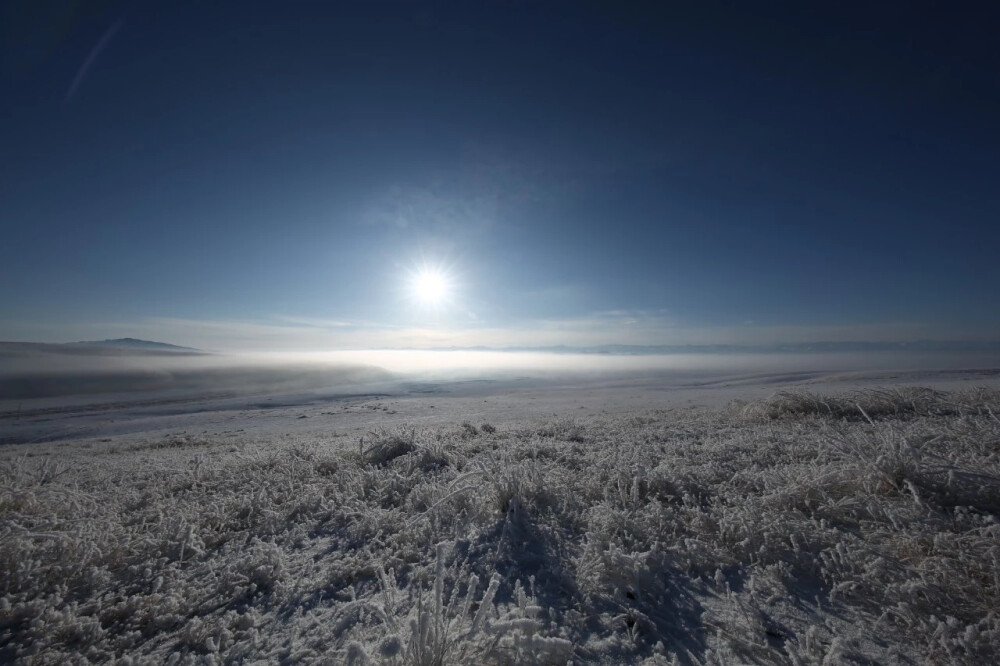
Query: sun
{"points": [[431, 286]]}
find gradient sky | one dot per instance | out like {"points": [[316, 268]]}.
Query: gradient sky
{"points": [[269, 174]]}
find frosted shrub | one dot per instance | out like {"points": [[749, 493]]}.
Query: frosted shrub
{"points": [[383, 446], [453, 627], [900, 401]]}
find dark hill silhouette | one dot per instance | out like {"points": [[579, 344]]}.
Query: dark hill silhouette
{"points": [[134, 343]]}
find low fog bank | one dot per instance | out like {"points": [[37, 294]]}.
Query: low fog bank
{"points": [[39, 373], [470, 364]]}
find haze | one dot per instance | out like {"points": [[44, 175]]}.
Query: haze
{"points": [[48, 371]]}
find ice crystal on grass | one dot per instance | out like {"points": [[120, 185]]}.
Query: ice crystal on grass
{"points": [[384, 446], [801, 529]]}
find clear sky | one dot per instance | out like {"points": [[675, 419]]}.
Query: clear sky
{"points": [[278, 174]]}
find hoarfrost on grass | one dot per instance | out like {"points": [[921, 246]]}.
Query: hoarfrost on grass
{"points": [[794, 530]]}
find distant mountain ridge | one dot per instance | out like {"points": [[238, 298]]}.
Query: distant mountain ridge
{"points": [[134, 343], [92, 349]]}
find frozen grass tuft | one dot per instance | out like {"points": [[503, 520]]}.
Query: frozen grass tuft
{"points": [[895, 402], [384, 446], [854, 528]]}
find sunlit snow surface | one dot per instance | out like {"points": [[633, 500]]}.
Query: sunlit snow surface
{"points": [[740, 515]]}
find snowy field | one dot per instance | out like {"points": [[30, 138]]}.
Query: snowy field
{"points": [[760, 518]]}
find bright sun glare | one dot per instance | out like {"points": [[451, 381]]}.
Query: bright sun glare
{"points": [[430, 286]]}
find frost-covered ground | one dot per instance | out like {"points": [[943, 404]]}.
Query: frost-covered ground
{"points": [[839, 526]]}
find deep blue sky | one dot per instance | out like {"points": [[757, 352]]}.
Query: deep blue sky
{"points": [[255, 174]]}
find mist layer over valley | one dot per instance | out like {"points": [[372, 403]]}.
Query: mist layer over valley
{"points": [[65, 391], [33, 371]]}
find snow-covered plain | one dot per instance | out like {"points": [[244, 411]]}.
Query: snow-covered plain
{"points": [[776, 518]]}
